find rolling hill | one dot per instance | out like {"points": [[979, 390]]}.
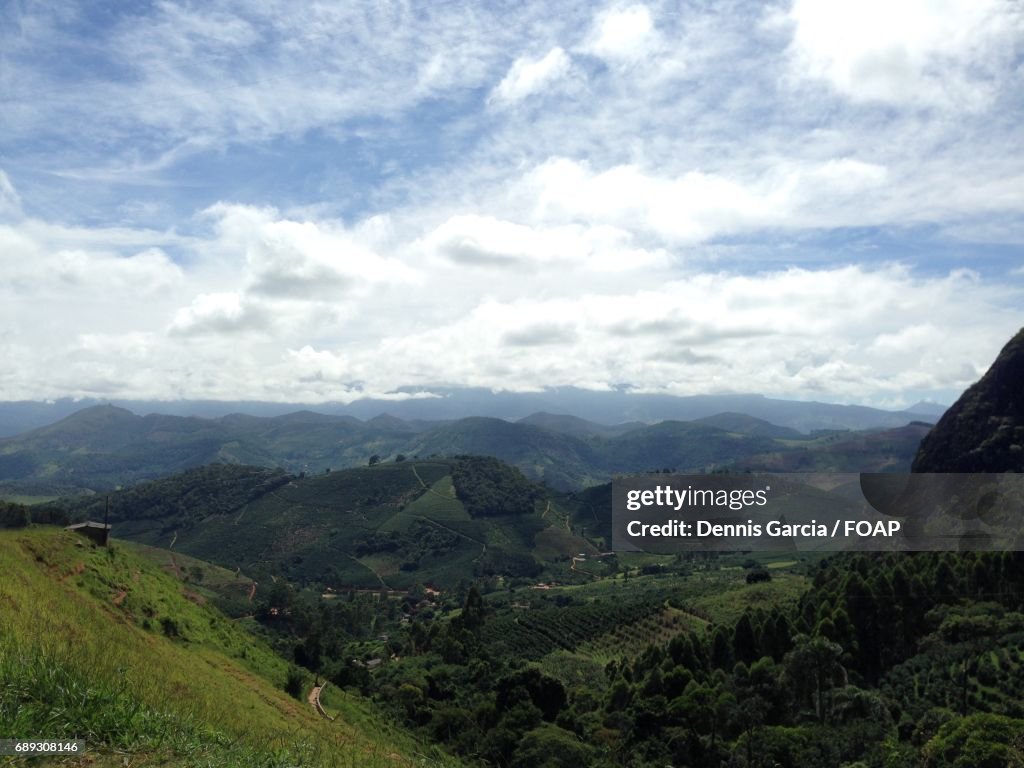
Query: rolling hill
{"points": [[391, 525], [884, 450], [103, 447], [743, 424]]}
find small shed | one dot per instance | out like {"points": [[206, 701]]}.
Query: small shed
{"points": [[99, 533]]}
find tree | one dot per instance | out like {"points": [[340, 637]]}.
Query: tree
{"points": [[744, 640], [295, 683], [813, 669], [13, 515], [981, 741], [531, 685], [551, 747], [375, 459], [473, 610], [721, 649]]}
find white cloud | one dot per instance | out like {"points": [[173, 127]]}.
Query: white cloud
{"points": [[485, 241], [699, 206], [622, 34], [529, 76], [850, 332], [930, 52], [721, 332], [301, 260], [34, 263], [145, 272], [191, 78], [219, 313]]}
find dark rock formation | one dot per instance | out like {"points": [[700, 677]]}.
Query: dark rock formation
{"points": [[984, 430]]}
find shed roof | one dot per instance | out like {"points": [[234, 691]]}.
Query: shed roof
{"points": [[89, 524]]}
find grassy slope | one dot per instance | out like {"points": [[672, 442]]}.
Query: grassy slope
{"points": [[85, 651]]}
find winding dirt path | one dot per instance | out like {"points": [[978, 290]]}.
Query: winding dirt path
{"points": [[314, 701], [428, 489]]}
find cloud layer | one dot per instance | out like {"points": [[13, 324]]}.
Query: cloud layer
{"points": [[311, 203]]}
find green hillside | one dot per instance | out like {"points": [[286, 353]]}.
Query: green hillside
{"points": [[885, 450], [100, 644], [391, 525]]}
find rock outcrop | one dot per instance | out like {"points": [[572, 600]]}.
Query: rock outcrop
{"points": [[984, 430]]}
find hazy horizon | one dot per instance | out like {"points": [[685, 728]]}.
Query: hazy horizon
{"points": [[608, 409]]}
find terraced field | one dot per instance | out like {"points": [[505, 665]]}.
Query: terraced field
{"points": [[629, 641], [534, 633]]}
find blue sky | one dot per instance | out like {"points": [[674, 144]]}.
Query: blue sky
{"points": [[320, 202]]}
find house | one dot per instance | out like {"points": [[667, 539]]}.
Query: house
{"points": [[98, 533]]}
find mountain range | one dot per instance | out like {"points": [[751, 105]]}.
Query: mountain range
{"points": [[605, 408], [105, 446]]}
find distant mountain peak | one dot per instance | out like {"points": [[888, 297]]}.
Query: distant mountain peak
{"points": [[744, 424], [983, 431], [103, 408], [927, 408], [95, 415]]}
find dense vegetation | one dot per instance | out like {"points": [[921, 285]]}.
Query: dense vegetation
{"points": [[13, 515], [489, 488], [181, 500], [884, 661], [393, 524], [632, 660]]}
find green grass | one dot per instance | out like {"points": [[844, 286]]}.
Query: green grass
{"points": [[102, 645], [228, 589], [437, 503]]}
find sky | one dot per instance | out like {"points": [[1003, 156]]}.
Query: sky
{"points": [[313, 202]]}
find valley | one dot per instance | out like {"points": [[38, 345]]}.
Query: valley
{"points": [[454, 610]]}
